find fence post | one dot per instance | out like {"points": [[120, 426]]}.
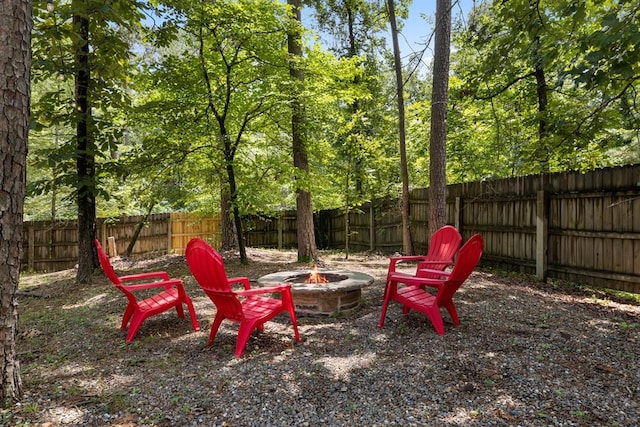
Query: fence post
{"points": [[458, 214], [372, 228], [104, 232], [31, 250], [542, 235], [280, 227], [169, 233], [113, 249]]}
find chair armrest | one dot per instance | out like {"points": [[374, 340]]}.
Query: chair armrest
{"points": [[435, 272], [441, 262], [144, 276], [244, 281], [163, 284], [265, 290], [396, 259], [415, 280]]}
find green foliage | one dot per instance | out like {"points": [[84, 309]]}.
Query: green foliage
{"points": [[53, 148], [495, 105], [205, 87]]}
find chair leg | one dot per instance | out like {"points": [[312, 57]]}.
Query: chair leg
{"points": [[127, 316], [192, 314], [385, 304], [436, 319], [136, 322], [179, 309], [287, 302], [214, 328], [386, 287], [452, 312], [243, 336], [294, 322]]}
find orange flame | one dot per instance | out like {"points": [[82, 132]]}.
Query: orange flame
{"points": [[316, 277]]}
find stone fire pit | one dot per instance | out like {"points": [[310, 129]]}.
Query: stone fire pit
{"points": [[341, 291]]}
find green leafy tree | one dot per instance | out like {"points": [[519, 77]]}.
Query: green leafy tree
{"points": [[406, 232], [361, 128], [231, 70], [83, 45], [530, 78], [305, 232]]}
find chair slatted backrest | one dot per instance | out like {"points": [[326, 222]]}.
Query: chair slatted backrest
{"points": [[467, 261], [106, 265], [108, 270], [207, 266], [443, 245]]}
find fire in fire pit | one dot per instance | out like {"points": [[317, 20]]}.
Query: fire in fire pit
{"points": [[321, 291], [316, 277]]}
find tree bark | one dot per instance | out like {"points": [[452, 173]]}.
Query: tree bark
{"points": [[358, 162], [229, 237], [233, 190], [307, 249], [138, 230], [407, 245], [541, 91], [85, 161], [438, 141], [15, 63]]}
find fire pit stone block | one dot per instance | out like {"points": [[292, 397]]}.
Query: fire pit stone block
{"points": [[322, 298]]}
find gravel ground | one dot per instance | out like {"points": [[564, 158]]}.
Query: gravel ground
{"points": [[525, 354]]}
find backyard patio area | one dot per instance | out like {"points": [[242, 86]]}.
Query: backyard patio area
{"points": [[525, 353]]}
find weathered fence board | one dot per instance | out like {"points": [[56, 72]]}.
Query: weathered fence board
{"points": [[587, 229], [54, 246], [186, 226]]}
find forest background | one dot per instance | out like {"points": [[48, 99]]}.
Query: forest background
{"points": [[187, 105]]}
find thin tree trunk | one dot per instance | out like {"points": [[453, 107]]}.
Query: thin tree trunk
{"points": [[229, 235], [233, 190], [15, 63], [138, 230], [355, 106], [541, 90], [438, 142], [407, 245], [347, 225], [85, 161], [305, 232], [230, 222]]}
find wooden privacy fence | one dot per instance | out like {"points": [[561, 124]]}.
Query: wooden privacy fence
{"points": [[578, 227], [53, 246]]}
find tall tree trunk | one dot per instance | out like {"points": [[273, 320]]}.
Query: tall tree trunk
{"points": [[305, 232], [407, 245], [438, 141], [229, 237], [541, 90], [358, 162], [233, 189], [138, 230], [85, 161], [15, 63]]}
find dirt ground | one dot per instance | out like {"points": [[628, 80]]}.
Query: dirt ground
{"points": [[526, 353]]}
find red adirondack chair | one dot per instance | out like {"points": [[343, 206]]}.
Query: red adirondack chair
{"points": [[443, 245], [248, 307], [417, 298], [172, 295]]}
